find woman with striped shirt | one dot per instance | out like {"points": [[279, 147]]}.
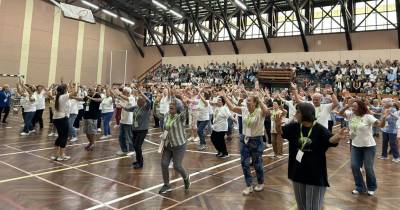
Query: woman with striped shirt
{"points": [[174, 143]]}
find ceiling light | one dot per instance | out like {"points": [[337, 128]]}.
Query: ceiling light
{"points": [[127, 21], [175, 13], [109, 13], [90, 4], [240, 4], [159, 4]]}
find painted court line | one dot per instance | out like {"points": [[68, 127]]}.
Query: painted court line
{"points": [[69, 168], [216, 187], [188, 150], [172, 181], [99, 176], [48, 148], [57, 185]]}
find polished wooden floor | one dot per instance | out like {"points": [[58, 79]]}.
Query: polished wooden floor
{"points": [[100, 180]]}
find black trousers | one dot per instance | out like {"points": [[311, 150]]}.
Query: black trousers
{"points": [[78, 118], [156, 121], [218, 140], [330, 125], [6, 112], [38, 118], [62, 130], [138, 139]]}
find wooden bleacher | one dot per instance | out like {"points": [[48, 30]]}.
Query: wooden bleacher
{"points": [[275, 76]]}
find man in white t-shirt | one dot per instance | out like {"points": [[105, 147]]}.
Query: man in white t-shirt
{"points": [[322, 111], [126, 122]]}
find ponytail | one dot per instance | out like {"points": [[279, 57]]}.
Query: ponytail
{"points": [[60, 91], [57, 104]]}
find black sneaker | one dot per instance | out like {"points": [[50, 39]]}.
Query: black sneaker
{"points": [[225, 156], [137, 165], [187, 182], [164, 189]]}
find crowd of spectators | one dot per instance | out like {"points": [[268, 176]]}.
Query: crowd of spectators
{"points": [[380, 77]]}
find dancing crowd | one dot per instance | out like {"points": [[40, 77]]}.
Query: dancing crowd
{"points": [[215, 102]]}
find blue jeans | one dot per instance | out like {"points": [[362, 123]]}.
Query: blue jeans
{"points": [[254, 150], [230, 126], [106, 122], [366, 156], [201, 127], [392, 139], [28, 116], [71, 120], [125, 137]]}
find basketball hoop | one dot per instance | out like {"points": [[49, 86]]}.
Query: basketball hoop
{"points": [[82, 14]]}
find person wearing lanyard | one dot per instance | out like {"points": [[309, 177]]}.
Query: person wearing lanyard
{"points": [[251, 144], [308, 143], [277, 141], [141, 115], [363, 144], [90, 116], [174, 144]]}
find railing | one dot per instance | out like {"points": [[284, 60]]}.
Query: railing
{"points": [[275, 75], [149, 71]]}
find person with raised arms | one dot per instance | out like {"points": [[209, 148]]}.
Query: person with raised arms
{"points": [[251, 145]]}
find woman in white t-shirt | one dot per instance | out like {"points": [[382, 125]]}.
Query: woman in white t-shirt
{"points": [[60, 120], [220, 127], [107, 110], [40, 96], [73, 113], [28, 103], [202, 118], [251, 145], [363, 144]]}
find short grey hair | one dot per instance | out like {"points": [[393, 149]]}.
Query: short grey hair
{"points": [[387, 101]]}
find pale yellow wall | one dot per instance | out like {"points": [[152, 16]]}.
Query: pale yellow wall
{"points": [[46, 52]]}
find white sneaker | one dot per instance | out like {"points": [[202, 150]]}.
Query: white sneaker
{"points": [[259, 188], [24, 134], [74, 139], [190, 139], [116, 126], [248, 190], [56, 134], [382, 158], [371, 193], [396, 160], [63, 158], [131, 153], [355, 192], [196, 139], [120, 153], [53, 157], [98, 129], [32, 131], [103, 137], [51, 134]]}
